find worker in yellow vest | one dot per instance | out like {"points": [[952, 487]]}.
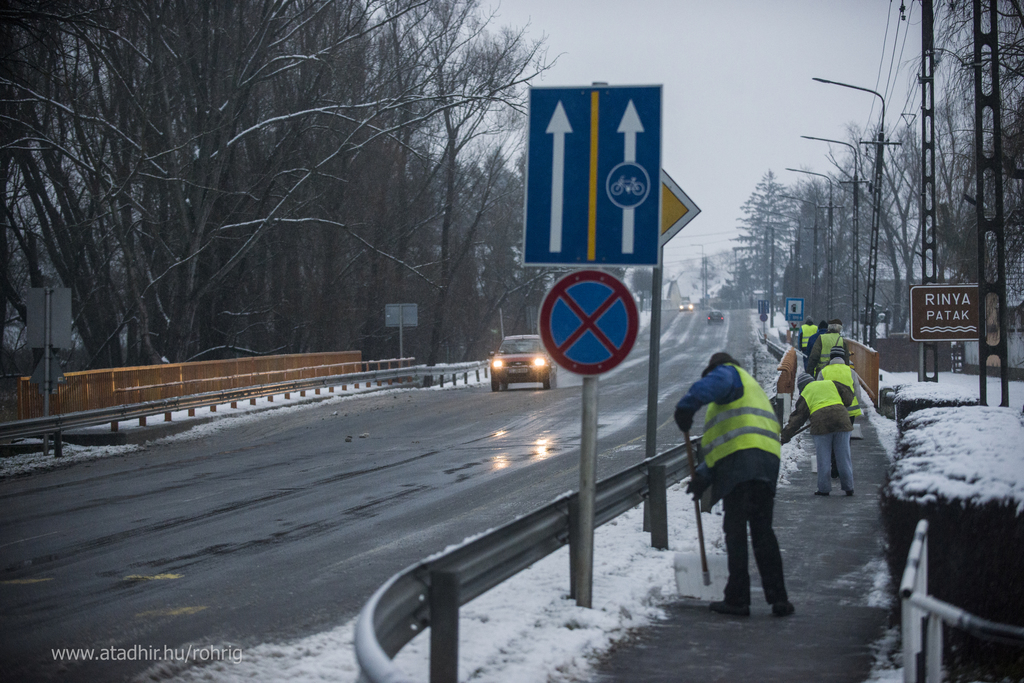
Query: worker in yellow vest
{"points": [[819, 354], [825, 403], [741, 451], [807, 330], [838, 370]]}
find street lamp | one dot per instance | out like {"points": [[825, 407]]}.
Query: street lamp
{"points": [[855, 278], [814, 297], [876, 192], [828, 239]]}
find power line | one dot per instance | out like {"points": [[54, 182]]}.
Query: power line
{"points": [[881, 62], [892, 60]]}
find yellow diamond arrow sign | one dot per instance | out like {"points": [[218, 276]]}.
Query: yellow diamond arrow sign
{"points": [[677, 209]]}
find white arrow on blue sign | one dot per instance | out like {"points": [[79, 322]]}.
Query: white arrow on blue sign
{"points": [[592, 180]]}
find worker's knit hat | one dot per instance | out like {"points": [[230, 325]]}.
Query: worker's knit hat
{"points": [[803, 380], [717, 359], [837, 352]]}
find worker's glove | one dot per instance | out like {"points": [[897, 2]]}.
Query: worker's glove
{"points": [[785, 440], [684, 419], [698, 484]]}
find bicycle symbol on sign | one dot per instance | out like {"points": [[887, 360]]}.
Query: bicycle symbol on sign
{"points": [[630, 186]]}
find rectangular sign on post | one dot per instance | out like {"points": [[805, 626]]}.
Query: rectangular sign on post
{"points": [[794, 309], [400, 315], [762, 306], [60, 317], [593, 176], [944, 313]]}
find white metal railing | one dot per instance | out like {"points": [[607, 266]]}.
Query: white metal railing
{"points": [[924, 615]]}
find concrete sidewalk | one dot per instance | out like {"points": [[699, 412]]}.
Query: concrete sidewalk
{"points": [[831, 551]]}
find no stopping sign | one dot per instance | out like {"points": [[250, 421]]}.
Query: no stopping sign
{"points": [[588, 322]]}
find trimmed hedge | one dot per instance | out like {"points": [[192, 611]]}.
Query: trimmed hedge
{"points": [[909, 398], [975, 561]]}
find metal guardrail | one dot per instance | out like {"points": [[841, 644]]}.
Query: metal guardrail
{"points": [[37, 426], [774, 347], [430, 592], [922, 645]]}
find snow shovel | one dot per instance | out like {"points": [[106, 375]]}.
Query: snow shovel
{"points": [[693, 573]]}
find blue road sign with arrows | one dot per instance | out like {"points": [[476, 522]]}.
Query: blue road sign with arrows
{"points": [[593, 176]]}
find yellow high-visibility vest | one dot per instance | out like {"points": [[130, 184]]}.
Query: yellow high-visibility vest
{"points": [[821, 394], [748, 422], [806, 332], [842, 373], [828, 341]]}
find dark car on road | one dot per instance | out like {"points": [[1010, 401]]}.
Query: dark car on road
{"points": [[715, 316], [521, 358]]}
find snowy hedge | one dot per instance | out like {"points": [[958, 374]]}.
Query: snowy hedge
{"points": [[962, 468], [910, 398]]}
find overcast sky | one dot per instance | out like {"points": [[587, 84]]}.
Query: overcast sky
{"points": [[737, 88]]}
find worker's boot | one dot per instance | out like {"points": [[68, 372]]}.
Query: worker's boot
{"points": [[726, 608]]}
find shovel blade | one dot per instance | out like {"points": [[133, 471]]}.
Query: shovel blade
{"points": [[690, 577]]}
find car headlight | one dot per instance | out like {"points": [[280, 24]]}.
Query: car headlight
{"points": [[497, 363], [539, 362]]}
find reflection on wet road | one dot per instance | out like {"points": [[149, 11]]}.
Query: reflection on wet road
{"points": [[282, 524]]}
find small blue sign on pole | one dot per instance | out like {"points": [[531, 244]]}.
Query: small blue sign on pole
{"points": [[762, 307], [593, 169], [794, 309]]}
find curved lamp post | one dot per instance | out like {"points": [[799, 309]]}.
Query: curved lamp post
{"points": [[855, 277], [828, 238], [814, 292], [876, 214]]}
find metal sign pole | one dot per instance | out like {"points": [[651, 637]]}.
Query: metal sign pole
{"points": [[588, 490], [47, 340], [653, 366]]}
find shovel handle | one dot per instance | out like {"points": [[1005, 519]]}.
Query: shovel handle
{"points": [[696, 505]]}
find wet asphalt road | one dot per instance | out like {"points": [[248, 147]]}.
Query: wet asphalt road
{"points": [[275, 528]]}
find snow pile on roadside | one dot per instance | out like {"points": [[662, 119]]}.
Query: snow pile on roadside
{"points": [[970, 453], [527, 628]]}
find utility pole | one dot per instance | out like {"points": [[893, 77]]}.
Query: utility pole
{"points": [[876, 215], [927, 352], [771, 274], [991, 276]]}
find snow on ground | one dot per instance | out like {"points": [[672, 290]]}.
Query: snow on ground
{"points": [[525, 629]]}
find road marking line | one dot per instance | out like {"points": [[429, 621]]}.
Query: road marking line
{"points": [[175, 612], [23, 582], [154, 577]]}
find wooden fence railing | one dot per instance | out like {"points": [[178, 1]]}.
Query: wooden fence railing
{"points": [[864, 360], [91, 389]]}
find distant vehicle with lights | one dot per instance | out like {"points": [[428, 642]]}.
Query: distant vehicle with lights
{"points": [[715, 317], [686, 306], [521, 358]]}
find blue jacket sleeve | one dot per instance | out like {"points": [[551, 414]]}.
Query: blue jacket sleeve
{"points": [[721, 385]]}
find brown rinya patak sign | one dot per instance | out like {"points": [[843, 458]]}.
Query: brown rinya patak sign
{"points": [[944, 313]]}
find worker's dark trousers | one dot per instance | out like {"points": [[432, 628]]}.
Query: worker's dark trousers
{"points": [[752, 502]]}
